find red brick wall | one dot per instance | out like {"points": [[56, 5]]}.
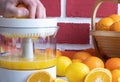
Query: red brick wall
{"points": [[52, 7], [73, 33], [74, 27], [83, 8]]}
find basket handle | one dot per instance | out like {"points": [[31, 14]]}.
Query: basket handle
{"points": [[95, 9]]}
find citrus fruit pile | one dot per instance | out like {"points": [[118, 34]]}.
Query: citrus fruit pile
{"points": [[85, 67], [110, 23]]}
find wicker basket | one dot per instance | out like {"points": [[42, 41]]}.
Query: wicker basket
{"points": [[106, 43]]}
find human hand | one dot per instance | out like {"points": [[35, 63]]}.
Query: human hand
{"points": [[33, 9]]}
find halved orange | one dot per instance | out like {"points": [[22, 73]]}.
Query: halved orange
{"points": [[20, 6], [115, 75], [60, 80], [40, 76], [99, 75]]}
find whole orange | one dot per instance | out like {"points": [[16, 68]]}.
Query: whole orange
{"points": [[76, 60], [104, 23], [115, 27], [82, 55], [115, 17], [112, 63], [94, 62], [58, 53], [115, 75], [49, 51]]}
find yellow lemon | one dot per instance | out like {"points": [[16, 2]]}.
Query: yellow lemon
{"points": [[99, 75], [62, 63], [76, 72], [40, 76]]}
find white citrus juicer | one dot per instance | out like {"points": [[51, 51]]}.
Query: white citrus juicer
{"points": [[27, 46]]}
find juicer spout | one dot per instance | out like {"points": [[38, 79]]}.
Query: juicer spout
{"points": [[27, 48]]}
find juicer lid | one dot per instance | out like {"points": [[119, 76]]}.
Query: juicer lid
{"points": [[13, 27], [14, 22]]}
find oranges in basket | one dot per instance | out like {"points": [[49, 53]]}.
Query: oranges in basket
{"points": [[115, 17], [110, 23], [104, 23], [106, 36], [115, 27]]}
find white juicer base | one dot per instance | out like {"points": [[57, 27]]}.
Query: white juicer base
{"points": [[7, 75]]}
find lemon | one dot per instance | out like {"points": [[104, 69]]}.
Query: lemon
{"points": [[99, 75], [62, 63], [76, 72]]}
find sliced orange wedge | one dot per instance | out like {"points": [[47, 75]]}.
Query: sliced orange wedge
{"points": [[40, 76], [99, 75]]}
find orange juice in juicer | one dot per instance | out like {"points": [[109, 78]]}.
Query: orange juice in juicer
{"points": [[26, 46]]}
